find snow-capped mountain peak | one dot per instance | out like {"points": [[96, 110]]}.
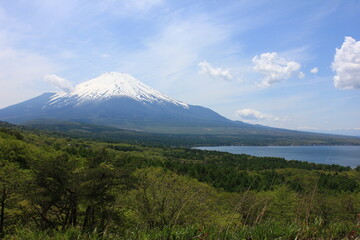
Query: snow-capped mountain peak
{"points": [[110, 85]]}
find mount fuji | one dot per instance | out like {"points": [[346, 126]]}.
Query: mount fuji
{"points": [[108, 105], [117, 100]]}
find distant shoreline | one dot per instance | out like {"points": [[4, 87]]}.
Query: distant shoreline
{"points": [[344, 155]]}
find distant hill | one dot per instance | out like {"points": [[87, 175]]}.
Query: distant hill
{"points": [[268, 136]]}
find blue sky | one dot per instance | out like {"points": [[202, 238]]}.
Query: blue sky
{"points": [[269, 62]]}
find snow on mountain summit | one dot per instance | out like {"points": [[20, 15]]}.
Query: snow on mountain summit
{"points": [[110, 85]]}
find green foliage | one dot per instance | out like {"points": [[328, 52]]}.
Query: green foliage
{"points": [[283, 204], [12, 179], [64, 188]]}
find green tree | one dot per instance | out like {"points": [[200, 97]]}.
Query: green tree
{"points": [[54, 190], [283, 205], [11, 181], [15, 151], [163, 198], [99, 185]]}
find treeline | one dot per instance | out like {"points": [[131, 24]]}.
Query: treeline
{"points": [[238, 173], [64, 188]]}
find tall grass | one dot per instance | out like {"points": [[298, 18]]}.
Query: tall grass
{"points": [[265, 231], [69, 234]]}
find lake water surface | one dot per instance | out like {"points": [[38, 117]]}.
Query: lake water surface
{"points": [[341, 155]]}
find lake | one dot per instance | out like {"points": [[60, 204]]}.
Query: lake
{"points": [[341, 155]]}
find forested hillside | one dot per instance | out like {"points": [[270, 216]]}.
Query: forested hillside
{"points": [[65, 188], [242, 135]]}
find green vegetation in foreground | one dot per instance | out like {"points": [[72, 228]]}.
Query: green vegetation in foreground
{"points": [[64, 188]]}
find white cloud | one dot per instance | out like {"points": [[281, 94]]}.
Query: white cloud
{"points": [[315, 70], [346, 64], [218, 73], [59, 82], [301, 75], [274, 68], [251, 114]]}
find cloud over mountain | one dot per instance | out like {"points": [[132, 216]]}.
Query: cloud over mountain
{"points": [[59, 82]]}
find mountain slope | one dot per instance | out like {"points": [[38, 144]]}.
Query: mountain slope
{"points": [[115, 99]]}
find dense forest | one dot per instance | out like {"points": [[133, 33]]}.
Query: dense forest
{"points": [[58, 187]]}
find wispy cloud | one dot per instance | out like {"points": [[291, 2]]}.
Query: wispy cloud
{"points": [[217, 73], [346, 64], [142, 4], [125, 7], [170, 55], [274, 68]]}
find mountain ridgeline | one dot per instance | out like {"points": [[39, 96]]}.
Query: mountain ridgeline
{"points": [[119, 101]]}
